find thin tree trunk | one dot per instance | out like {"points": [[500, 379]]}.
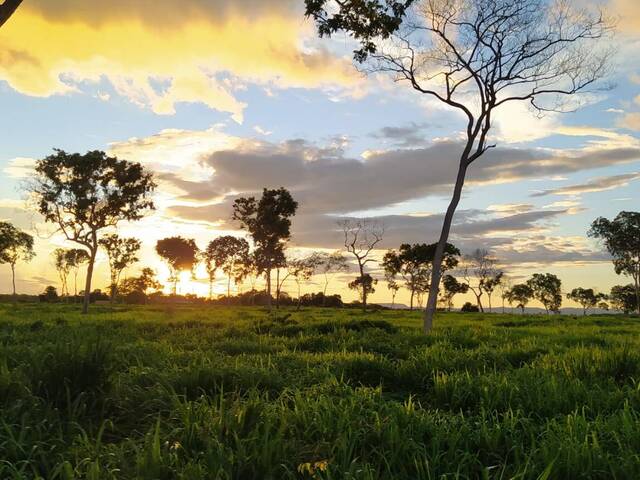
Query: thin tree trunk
{"points": [[364, 287], [229, 290], [298, 308], [268, 275], [277, 288], [430, 310], [13, 279], [637, 296], [7, 9], [87, 285], [411, 301], [324, 292]]}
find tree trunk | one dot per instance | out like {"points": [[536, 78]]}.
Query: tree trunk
{"points": [[479, 302], [210, 288], [299, 300], [87, 283], [637, 296], [277, 288], [490, 309], [268, 278], [411, 300], [364, 289], [7, 9], [229, 290], [13, 279], [324, 292], [430, 310]]}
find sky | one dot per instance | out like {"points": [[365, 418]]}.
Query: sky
{"points": [[220, 98]]}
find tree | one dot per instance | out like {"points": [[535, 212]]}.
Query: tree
{"points": [[452, 287], [302, 269], [63, 268], [586, 297], [8, 8], [623, 298], [360, 238], [481, 265], [137, 287], [504, 286], [76, 257], [414, 264], [15, 245], [546, 288], [85, 194], [490, 284], [268, 221], [474, 56], [180, 254], [520, 294], [231, 255], [329, 263], [621, 237], [122, 252], [393, 287], [364, 285]]}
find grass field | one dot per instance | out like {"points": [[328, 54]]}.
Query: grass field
{"points": [[187, 393]]}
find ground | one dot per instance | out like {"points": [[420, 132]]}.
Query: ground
{"points": [[165, 392]]}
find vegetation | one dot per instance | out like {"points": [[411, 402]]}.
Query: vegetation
{"points": [[15, 245], [194, 393]]}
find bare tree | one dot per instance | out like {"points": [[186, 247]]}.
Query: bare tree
{"points": [[481, 266], [475, 56], [360, 238], [330, 263], [8, 8]]}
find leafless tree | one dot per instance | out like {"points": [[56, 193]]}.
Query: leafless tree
{"points": [[475, 56], [7, 8], [480, 266], [361, 236]]}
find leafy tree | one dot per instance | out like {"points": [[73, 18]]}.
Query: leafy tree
{"points": [[122, 252], [452, 287], [50, 295], [15, 245], [302, 269], [364, 285], [8, 8], [63, 268], [414, 264], [229, 254], [481, 265], [520, 294], [623, 298], [76, 257], [474, 56], [180, 254], [136, 288], [85, 194], [268, 221], [621, 237], [546, 289], [586, 297], [360, 238], [393, 287]]}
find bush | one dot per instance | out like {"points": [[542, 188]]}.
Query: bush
{"points": [[469, 307]]}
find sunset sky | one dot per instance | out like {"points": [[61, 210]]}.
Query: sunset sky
{"points": [[224, 97]]}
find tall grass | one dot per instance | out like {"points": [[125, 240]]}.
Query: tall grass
{"points": [[219, 393]]}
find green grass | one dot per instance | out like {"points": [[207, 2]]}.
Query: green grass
{"points": [[215, 393]]}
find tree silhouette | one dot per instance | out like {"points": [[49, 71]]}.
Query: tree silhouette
{"points": [[302, 269], [180, 254], [360, 238], [414, 264], [623, 298], [63, 268], [364, 285], [474, 56], [330, 263], [85, 194], [229, 254], [452, 287], [586, 297], [76, 257], [8, 8], [520, 294], [621, 237], [15, 245], [138, 286], [122, 252], [268, 221], [546, 289], [481, 265]]}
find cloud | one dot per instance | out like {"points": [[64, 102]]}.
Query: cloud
{"points": [[158, 55], [599, 184], [630, 121], [410, 135], [20, 167]]}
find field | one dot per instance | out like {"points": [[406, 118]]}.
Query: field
{"points": [[213, 393]]}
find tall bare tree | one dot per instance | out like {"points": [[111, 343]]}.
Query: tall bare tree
{"points": [[474, 56], [360, 239], [8, 8]]}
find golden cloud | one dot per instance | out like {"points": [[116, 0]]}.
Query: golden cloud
{"points": [[164, 59]]}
